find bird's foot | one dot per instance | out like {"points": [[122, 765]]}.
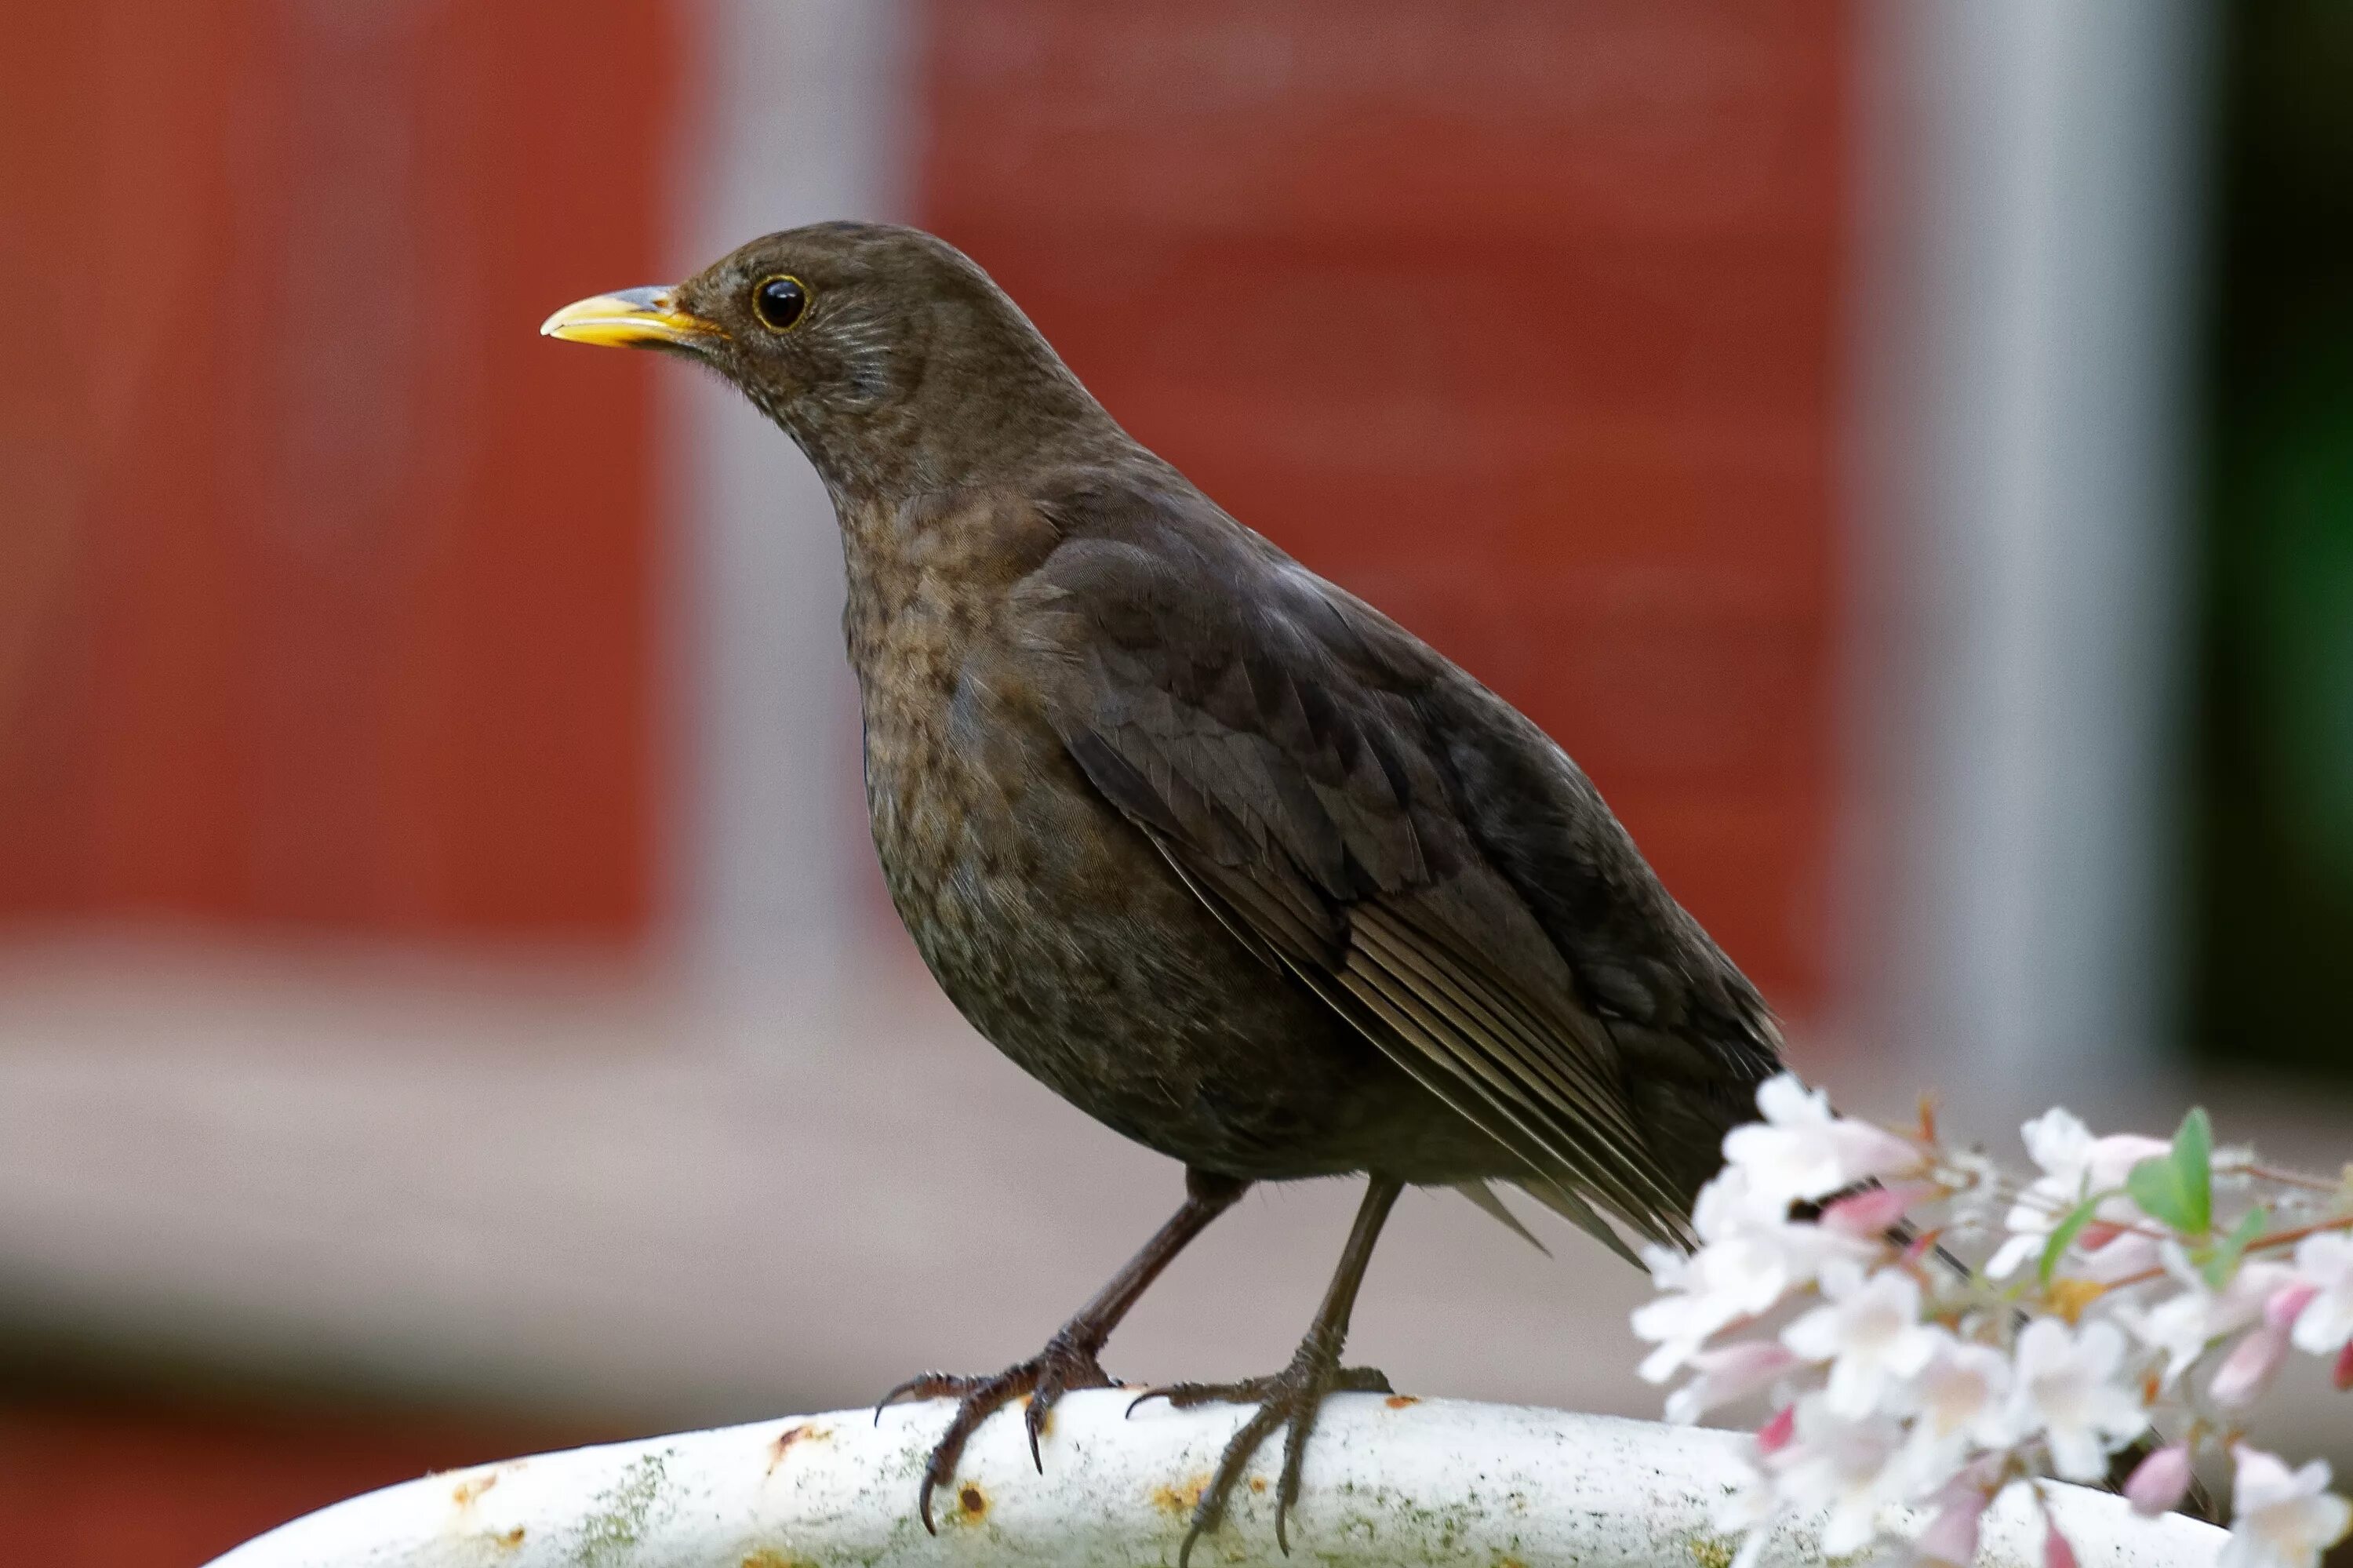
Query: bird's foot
{"points": [[1289, 1399], [1067, 1363]]}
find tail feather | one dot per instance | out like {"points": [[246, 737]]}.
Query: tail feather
{"points": [[1484, 1196], [1576, 1211]]}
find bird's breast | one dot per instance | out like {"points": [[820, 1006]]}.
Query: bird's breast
{"points": [[1064, 937]]}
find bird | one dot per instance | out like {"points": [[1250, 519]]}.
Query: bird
{"points": [[1208, 845]]}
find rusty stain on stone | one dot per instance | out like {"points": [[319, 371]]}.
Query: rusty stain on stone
{"points": [[1181, 1499], [1399, 1401], [512, 1540], [807, 1432], [468, 1491], [769, 1557], [972, 1503]]}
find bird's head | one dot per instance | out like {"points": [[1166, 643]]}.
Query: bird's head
{"points": [[891, 358]]}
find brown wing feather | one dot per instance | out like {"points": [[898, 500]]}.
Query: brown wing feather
{"points": [[1435, 1058], [1304, 804]]}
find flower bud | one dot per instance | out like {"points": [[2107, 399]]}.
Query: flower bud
{"points": [[2056, 1551], [1775, 1435], [2343, 1377], [1729, 1372], [1951, 1537], [2159, 1482], [2248, 1368], [2286, 1304], [1870, 1213]]}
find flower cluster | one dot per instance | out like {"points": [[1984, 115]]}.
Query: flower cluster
{"points": [[2134, 1292]]}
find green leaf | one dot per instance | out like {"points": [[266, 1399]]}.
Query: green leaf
{"points": [[2064, 1235], [2224, 1264], [2177, 1189], [2193, 1151]]}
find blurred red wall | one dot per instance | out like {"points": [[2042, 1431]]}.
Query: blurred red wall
{"points": [[325, 585], [1519, 319], [93, 1484]]}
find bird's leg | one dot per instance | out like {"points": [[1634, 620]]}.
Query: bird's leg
{"points": [[1289, 1398], [1069, 1360]]}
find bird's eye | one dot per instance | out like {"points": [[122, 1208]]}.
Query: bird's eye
{"points": [[780, 302]]}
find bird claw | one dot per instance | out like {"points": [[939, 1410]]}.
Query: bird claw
{"points": [[1289, 1399], [1065, 1363]]}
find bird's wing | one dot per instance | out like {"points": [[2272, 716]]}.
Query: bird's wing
{"points": [[1694, 1036], [1206, 686]]}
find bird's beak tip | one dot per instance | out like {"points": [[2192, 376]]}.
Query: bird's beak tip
{"points": [[633, 318]]}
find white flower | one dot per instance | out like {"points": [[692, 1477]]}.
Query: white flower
{"points": [[1711, 1289], [2129, 1256], [1800, 1151], [1748, 1505], [1753, 1257], [1730, 1204], [2324, 1262], [1847, 1467], [2281, 1519], [2103, 1253], [1975, 1182], [1679, 1325], [1745, 1511], [2184, 1325], [2023, 1243], [1722, 1284], [1732, 1372], [2181, 1326], [2063, 1388], [2074, 1166], [1871, 1334], [1960, 1399], [2060, 1143]]}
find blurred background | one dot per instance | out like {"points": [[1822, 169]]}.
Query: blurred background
{"points": [[447, 1004]]}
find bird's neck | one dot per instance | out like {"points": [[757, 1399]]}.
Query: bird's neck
{"points": [[975, 405], [899, 463], [926, 578], [933, 486], [940, 523]]}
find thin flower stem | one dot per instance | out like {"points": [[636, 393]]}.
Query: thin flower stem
{"points": [[2289, 1238], [2122, 1227], [2276, 1239], [2291, 1179]]}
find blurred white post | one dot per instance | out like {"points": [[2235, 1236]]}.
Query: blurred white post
{"points": [[800, 115], [2032, 195]]}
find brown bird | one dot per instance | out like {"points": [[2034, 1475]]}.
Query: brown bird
{"points": [[1216, 850]]}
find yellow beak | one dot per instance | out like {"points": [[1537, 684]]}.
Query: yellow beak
{"points": [[634, 318]]}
